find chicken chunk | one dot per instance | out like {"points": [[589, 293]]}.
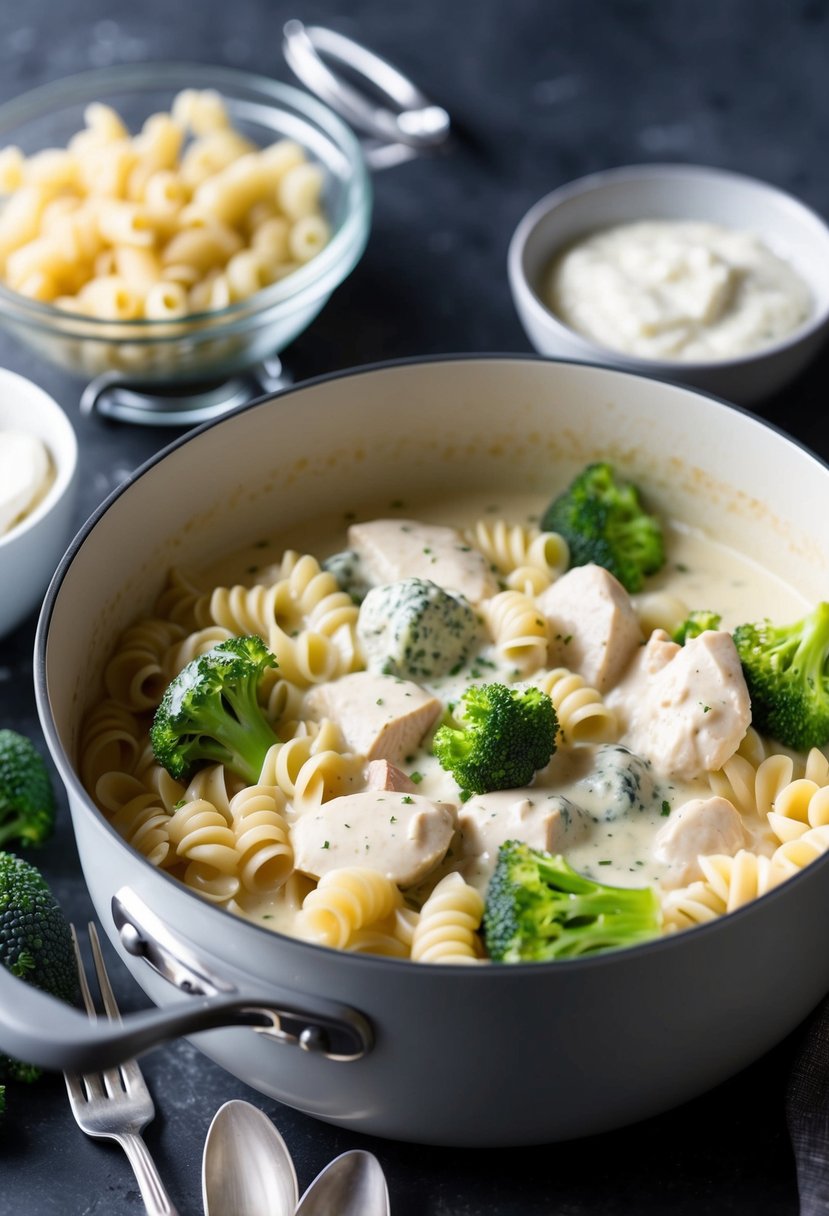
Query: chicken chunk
{"points": [[490, 820], [381, 718], [403, 836], [696, 829], [394, 549], [384, 776], [687, 707], [594, 629]]}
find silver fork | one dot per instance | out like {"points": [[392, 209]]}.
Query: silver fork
{"points": [[116, 1104]]}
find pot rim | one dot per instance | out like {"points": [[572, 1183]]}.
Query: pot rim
{"points": [[371, 962]]}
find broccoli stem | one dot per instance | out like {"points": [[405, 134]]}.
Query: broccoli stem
{"points": [[806, 649], [246, 740]]}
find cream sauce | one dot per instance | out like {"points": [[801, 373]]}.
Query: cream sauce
{"points": [[679, 290], [611, 847]]}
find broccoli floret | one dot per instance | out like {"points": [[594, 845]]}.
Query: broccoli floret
{"points": [[538, 908], [694, 624], [416, 630], [603, 521], [349, 574], [620, 784], [785, 667], [35, 942], [498, 738], [27, 801], [210, 713]]}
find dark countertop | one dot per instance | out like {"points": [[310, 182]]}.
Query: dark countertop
{"points": [[542, 92]]}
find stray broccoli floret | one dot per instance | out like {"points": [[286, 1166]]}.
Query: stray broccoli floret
{"points": [[785, 667], [694, 624], [499, 738], [538, 908], [416, 630], [603, 521], [210, 713], [349, 573], [35, 942], [27, 801]]}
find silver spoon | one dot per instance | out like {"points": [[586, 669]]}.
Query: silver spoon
{"points": [[353, 1184], [246, 1168]]}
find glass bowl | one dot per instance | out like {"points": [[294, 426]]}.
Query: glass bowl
{"points": [[206, 345]]}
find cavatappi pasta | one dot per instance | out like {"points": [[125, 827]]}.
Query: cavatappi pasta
{"points": [[185, 216], [353, 836]]}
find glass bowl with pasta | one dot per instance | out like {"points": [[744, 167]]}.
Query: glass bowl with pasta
{"points": [[172, 223]]}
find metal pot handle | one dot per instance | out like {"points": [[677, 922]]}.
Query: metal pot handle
{"points": [[405, 124], [43, 1030]]}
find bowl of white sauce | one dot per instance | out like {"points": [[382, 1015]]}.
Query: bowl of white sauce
{"points": [[680, 272], [38, 481]]}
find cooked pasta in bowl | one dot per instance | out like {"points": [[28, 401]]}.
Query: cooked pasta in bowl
{"points": [[170, 222], [455, 721]]}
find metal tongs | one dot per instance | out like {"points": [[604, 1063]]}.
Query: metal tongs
{"points": [[397, 122]]}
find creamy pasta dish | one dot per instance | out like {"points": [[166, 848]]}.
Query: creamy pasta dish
{"points": [[353, 833]]}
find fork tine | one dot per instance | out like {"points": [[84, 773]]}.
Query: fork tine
{"points": [[82, 980], [107, 995]]}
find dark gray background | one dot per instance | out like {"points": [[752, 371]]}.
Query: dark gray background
{"points": [[541, 93]]}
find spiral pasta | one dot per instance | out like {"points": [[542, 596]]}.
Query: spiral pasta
{"points": [[203, 838], [446, 931], [583, 716], [135, 677], [516, 551], [263, 843], [794, 854], [799, 806], [137, 814], [518, 629], [109, 741], [345, 900], [752, 788]]}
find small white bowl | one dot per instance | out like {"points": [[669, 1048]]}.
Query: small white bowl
{"points": [[31, 550], [675, 192]]}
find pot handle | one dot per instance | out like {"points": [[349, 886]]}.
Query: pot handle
{"points": [[43, 1030], [402, 124]]}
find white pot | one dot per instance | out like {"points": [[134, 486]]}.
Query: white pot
{"points": [[495, 1054]]}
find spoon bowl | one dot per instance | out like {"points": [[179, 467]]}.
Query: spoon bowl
{"points": [[353, 1184], [246, 1168]]}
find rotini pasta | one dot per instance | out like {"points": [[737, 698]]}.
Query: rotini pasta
{"points": [[519, 630], [345, 901], [582, 714], [448, 924]]}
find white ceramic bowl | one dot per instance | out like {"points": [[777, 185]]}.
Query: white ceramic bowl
{"points": [[675, 192], [30, 551]]}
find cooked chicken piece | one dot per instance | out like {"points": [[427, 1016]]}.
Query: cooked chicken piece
{"points": [[394, 549], [594, 629], [403, 836], [686, 708], [381, 717], [696, 829], [490, 820], [384, 776]]}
